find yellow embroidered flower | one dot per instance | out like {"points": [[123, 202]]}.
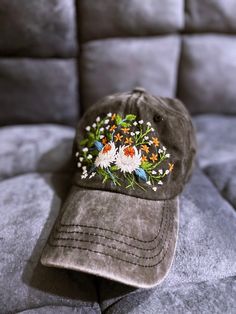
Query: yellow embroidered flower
{"points": [[155, 141], [144, 158], [125, 130], [104, 140], [118, 137], [171, 167], [153, 157], [128, 141], [113, 127], [145, 148], [113, 116]]}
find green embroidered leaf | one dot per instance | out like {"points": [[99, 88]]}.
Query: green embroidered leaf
{"points": [[83, 142], [114, 168], [118, 119], [146, 165], [125, 124], [130, 117]]}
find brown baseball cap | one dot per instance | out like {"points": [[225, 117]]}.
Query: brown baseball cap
{"points": [[134, 153]]}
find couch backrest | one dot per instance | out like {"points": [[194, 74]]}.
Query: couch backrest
{"points": [[174, 48]]}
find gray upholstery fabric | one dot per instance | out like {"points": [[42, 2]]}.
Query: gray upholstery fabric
{"points": [[208, 73], [29, 205], [43, 148], [211, 15], [50, 29], [217, 152], [127, 68], [129, 18], [33, 90], [205, 253]]}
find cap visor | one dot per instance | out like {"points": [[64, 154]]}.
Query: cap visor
{"points": [[122, 238]]}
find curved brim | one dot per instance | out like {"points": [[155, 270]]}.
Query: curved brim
{"points": [[122, 238]]}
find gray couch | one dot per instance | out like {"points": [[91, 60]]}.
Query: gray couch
{"points": [[56, 59]]}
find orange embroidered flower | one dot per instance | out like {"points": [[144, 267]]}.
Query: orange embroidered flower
{"points": [[104, 140], [171, 167], [125, 130], [113, 127], [144, 158], [153, 157], [118, 137], [155, 141], [129, 151], [113, 116], [128, 141], [145, 148], [106, 148]]}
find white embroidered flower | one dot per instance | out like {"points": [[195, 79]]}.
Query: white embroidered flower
{"points": [[84, 176], [146, 138], [160, 171], [154, 188], [90, 156], [109, 114], [85, 149], [108, 127], [84, 168], [98, 119], [137, 132], [160, 151], [106, 156], [168, 155], [132, 133], [164, 148], [88, 128], [92, 175], [152, 129], [94, 125], [77, 154], [81, 159], [150, 142], [148, 182], [154, 172], [101, 129], [148, 124], [106, 121], [79, 164], [140, 122], [135, 123], [101, 136], [128, 158], [167, 172], [160, 182]]}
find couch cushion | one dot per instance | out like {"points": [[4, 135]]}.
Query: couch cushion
{"points": [[30, 148], [112, 18], [210, 15], [116, 65], [208, 73], [38, 91], [217, 152], [206, 251], [29, 205], [38, 28]]}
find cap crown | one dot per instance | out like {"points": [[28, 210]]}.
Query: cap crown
{"points": [[136, 144]]}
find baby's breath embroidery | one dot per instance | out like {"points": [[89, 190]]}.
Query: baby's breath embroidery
{"points": [[125, 151]]}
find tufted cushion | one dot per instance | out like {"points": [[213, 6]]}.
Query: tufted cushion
{"points": [[211, 15], [37, 91], [116, 65], [37, 28], [112, 18], [29, 205], [31, 148], [208, 74]]}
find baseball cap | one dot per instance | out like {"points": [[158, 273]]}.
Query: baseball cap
{"points": [[134, 152]]}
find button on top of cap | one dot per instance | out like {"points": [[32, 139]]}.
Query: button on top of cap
{"points": [[139, 89]]}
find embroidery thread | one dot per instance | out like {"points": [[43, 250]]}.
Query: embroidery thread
{"points": [[125, 151]]}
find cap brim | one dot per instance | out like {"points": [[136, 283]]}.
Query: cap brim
{"points": [[122, 238]]}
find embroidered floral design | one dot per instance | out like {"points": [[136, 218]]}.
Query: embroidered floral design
{"points": [[125, 151]]}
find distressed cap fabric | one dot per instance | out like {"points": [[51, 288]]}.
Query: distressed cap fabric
{"points": [[134, 153]]}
